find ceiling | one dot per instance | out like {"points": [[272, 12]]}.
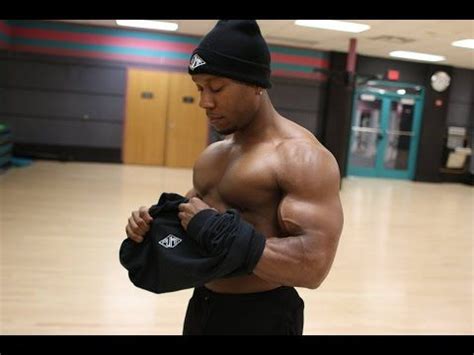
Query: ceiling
{"points": [[384, 36]]}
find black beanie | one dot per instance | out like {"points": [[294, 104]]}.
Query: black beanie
{"points": [[234, 49]]}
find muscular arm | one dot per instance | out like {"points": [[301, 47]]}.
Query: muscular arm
{"points": [[310, 212]]}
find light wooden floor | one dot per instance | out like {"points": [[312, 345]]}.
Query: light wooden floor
{"points": [[404, 264]]}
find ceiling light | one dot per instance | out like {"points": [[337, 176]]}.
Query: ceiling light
{"points": [[334, 25], [417, 56], [465, 43], [149, 24]]}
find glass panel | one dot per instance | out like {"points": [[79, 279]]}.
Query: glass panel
{"points": [[365, 132], [399, 135]]}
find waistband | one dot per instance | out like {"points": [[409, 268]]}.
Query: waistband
{"points": [[281, 291]]}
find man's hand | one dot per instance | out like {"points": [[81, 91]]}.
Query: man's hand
{"points": [[138, 224], [188, 210]]}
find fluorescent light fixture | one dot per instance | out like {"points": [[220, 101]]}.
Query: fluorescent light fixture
{"points": [[465, 43], [334, 25], [417, 56], [149, 24]]}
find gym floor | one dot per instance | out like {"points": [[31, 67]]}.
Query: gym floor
{"points": [[404, 263]]}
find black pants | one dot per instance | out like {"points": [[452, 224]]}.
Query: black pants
{"points": [[274, 312]]}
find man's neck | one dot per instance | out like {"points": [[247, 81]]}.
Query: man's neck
{"points": [[262, 126]]}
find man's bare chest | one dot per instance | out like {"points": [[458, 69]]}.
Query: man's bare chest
{"points": [[245, 181]]}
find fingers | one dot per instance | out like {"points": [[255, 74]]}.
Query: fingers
{"points": [[133, 236], [143, 212], [138, 224], [199, 203], [142, 220]]}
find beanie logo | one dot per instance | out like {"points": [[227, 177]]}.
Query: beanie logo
{"points": [[170, 241], [196, 61]]}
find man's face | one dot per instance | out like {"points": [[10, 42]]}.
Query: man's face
{"points": [[229, 105]]}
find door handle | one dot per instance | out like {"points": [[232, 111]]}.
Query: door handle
{"points": [[400, 133], [366, 129], [188, 99]]}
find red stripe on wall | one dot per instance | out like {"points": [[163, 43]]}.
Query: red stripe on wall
{"points": [[293, 74], [95, 39], [5, 28], [100, 55], [296, 59]]}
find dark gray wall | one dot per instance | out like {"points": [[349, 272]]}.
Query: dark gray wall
{"points": [[461, 105], [431, 147], [62, 102], [410, 72], [301, 101], [337, 115], [461, 98]]}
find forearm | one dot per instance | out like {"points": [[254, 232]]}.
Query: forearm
{"points": [[300, 261], [288, 261]]}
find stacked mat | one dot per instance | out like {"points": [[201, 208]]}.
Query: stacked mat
{"points": [[6, 146]]}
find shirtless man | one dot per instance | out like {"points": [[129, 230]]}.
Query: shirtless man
{"points": [[275, 173]]}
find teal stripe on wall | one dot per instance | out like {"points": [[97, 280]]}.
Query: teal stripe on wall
{"points": [[100, 48], [4, 37], [151, 36]]}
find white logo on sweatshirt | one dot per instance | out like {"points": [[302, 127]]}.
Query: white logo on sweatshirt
{"points": [[170, 241], [196, 61]]}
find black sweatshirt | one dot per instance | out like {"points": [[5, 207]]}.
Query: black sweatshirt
{"points": [[169, 259]]}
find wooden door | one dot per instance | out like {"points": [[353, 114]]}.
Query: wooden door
{"points": [[145, 117], [187, 131]]}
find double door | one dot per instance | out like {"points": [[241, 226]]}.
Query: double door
{"points": [[164, 124], [385, 131]]}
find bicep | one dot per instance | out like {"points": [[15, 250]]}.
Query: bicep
{"points": [[314, 225], [310, 216], [311, 206]]}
